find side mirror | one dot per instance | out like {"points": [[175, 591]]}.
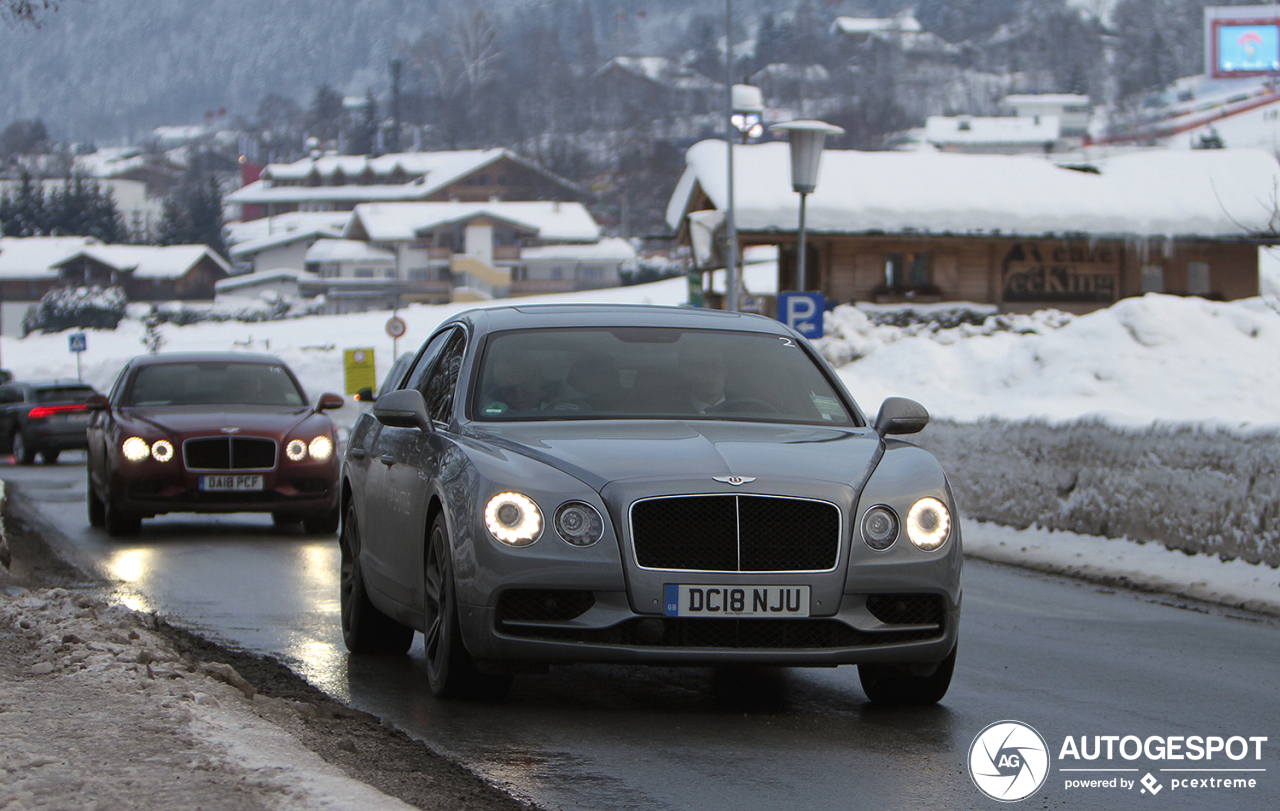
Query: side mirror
{"points": [[364, 395], [98, 402], [899, 415], [329, 401], [402, 409]]}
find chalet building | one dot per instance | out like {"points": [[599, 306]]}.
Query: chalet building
{"points": [[656, 94], [342, 182], [27, 272], [285, 248], [147, 272], [1015, 231]]}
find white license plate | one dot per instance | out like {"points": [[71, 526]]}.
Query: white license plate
{"points": [[736, 601], [78, 419], [223, 483]]}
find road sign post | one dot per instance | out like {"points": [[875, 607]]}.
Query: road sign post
{"points": [[78, 342]]}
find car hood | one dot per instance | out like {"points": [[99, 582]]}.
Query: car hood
{"points": [[250, 420], [602, 452]]}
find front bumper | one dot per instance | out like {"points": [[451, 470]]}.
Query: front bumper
{"points": [[608, 631], [151, 488]]}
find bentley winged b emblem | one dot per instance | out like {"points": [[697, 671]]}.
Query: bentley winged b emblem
{"points": [[734, 480], [229, 430]]}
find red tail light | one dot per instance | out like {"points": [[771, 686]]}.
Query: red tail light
{"points": [[40, 412]]}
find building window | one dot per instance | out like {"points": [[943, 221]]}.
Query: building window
{"points": [[906, 270], [364, 273], [419, 274], [591, 273], [1198, 278], [1152, 279], [557, 274]]}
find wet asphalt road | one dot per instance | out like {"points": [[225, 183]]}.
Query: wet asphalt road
{"points": [[1066, 657]]}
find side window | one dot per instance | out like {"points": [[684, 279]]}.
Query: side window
{"points": [[9, 395], [426, 358], [117, 387], [443, 382]]}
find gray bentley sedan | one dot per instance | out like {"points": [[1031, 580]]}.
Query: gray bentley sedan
{"points": [[554, 484]]}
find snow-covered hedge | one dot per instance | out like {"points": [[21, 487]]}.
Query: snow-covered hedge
{"points": [[77, 308], [1195, 489]]}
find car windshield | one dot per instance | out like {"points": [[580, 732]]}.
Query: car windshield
{"points": [[64, 394], [184, 384], [652, 373]]}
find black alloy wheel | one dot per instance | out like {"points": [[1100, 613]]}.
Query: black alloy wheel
{"points": [[119, 522], [451, 672], [97, 509], [23, 453], [908, 684], [365, 629]]}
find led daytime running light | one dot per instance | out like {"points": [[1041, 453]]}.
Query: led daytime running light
{"points": [[928, 524], [513, 519], [162, 450], [135, 449]]}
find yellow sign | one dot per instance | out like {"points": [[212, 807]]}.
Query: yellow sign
{"points": [[359, 368]]}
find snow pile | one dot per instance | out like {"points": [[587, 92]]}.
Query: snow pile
{"points": [[1143, 360], [109, 712]]}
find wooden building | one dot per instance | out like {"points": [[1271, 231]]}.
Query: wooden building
{"points": [[1019, 232]]}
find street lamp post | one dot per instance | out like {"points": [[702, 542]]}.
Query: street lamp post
{"points": [[806, 139]]}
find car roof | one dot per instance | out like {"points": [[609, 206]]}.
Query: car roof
{"points": [[527, 316], [48, 384], [205, 357]]}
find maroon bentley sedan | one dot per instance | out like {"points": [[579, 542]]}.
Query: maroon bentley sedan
{"points": [[211, 432]]}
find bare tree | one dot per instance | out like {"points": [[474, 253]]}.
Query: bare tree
{"points": [[27, 11]]}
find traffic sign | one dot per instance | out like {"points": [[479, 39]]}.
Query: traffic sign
{"points": [[78, 342], [802, 312], [396, 326], [360, 370]]}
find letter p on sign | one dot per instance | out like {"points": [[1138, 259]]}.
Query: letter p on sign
{"points": [[802, 312]]}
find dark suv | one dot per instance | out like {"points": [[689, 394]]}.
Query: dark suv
{"points": [[45, 417]]}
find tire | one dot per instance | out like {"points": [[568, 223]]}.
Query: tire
{"points": [[451, 672], [23, 453], [49, 457], [325, 523], [365, 629], [904, 684], [97, 509], [118, 522]]}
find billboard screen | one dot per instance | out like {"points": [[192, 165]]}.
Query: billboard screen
{"points": [[1247, 48]]}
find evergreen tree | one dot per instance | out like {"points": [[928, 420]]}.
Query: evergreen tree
{"points": [[326, 115], [193, 216], [364, 139], [23, 214]]}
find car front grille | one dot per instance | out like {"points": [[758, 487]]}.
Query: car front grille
{"points": [[229, 453], [729, 533]]}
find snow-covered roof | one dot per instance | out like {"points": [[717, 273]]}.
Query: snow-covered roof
{"points": [[1047, 99], [941, 129], [249, 230], [392, 222], [347, 250], [653, 68], [870, 25], [610, 249], [286, 237], [150, 261], [35, 257], [1205, 193], [263, 277], [427, 173]]}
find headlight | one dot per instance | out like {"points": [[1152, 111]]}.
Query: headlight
{"points": [[161, 450], [879, 527], [513, 519], [135, 449], [296, 450], [928, 524], [579, 523], [321, 448]]}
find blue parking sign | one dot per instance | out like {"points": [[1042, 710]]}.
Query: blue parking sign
{"points": [[802, 312], [78, 342]]}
